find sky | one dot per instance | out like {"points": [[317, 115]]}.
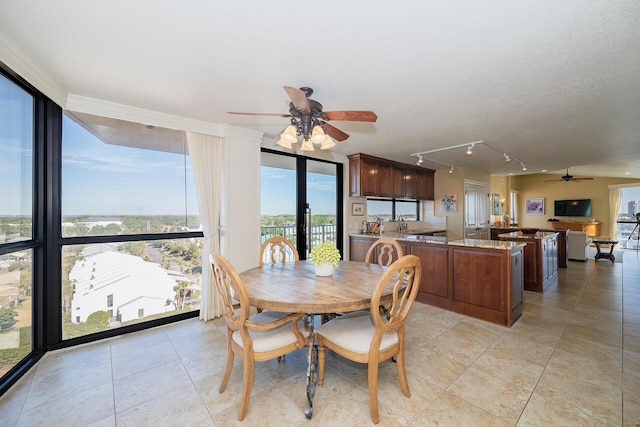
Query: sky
{"points": [[105, 179], [102, 179], [278, 192]]}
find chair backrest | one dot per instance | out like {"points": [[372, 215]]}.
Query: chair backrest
{"points": [[403, 276], [230, 286], [388, 251], [278, 250]]}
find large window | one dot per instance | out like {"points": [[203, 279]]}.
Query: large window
{"points": [[392, 210], [16, 224], [130, 227], [628, 221], [300, 199], [75, 190]]}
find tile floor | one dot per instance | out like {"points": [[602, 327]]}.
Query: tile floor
{"points": [[573, 359]]}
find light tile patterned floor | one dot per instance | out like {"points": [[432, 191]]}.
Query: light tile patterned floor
{"points": [[572, 359]]}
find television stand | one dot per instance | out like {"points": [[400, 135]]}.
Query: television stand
{"points": [[591, 228]]}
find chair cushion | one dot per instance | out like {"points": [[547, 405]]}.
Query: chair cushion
{"points": [[354, 332], [270, 339]]}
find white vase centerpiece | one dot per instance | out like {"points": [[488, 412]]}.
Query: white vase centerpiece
{"points": [[325, 257]]}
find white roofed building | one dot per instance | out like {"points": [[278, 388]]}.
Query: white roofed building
{"points": [[124, 285]]}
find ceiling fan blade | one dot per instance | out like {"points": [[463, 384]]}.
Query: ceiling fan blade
{"points": [[260, 114], [582, 179], [554, 180], [298, 98], [334, 132], [351, 116]]}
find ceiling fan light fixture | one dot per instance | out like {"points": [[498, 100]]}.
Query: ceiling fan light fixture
{"points": [[284, 143], [317, 135], [327, 143], [307, 145], [290, 134]]}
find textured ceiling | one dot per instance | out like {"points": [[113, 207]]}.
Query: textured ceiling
{"points": [[555, 84]]}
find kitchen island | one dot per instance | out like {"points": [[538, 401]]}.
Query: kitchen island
{"points": [[478, 278], [540, 257]]}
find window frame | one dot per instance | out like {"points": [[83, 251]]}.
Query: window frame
{"points": [[47, 242], [393, 202]]}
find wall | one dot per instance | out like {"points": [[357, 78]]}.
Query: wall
{"points": [[453, 183], [533, 186], [500, 185], [240, 237]]}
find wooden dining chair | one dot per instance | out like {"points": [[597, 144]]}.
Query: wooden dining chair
{"points": [[385, 251], [375, 338], [278, 249], [254, 339]]}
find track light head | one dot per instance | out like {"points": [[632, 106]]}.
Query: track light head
{"points": [[524, 167], [507, 158], [470, 150]]}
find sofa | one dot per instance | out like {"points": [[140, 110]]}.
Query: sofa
{"points": [[578, 245]]}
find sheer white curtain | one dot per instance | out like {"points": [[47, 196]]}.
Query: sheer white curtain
{"points": [[206, 153], [615, 194]]}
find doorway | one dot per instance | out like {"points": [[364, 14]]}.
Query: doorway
{"points": [[301, 200], [477, 205]]}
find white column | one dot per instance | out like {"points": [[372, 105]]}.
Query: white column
{"points": [[240, 234]]}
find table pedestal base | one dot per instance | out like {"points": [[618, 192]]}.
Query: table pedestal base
{"points": [[312, 364]]}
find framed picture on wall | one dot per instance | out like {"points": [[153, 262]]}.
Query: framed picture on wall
{"points": [[495, 203], [535, 206], [357, 209]]}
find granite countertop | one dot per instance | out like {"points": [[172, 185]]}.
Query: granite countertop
{"points": [[405, 237], [476, 243], [490, 244], [520, 235]]}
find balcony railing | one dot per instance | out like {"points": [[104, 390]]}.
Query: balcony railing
{"points": [[316, 233]]}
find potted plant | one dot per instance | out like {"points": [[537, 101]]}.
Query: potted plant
{"points": [[325, 257]]}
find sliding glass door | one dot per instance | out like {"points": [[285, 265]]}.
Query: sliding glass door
{"points": [[301, 200]]}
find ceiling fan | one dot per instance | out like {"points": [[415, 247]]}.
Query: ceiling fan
{"points": [[569, 178], [309, 121]]}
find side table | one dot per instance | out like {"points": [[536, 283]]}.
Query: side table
{"points": [[605, 241]]}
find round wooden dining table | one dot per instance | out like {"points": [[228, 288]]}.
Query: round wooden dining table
{"points": [[293, 287]]}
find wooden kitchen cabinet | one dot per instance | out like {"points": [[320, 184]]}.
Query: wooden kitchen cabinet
{"points": [[358, 247], [424, 186], [376, 177], [369, 177], [540, 258], [484, 283], [435, 269], [404, 183]]}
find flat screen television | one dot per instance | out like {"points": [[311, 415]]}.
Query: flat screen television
{"points": [[580, 207]]}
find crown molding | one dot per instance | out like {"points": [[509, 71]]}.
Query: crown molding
{"points": [[32, 74]]}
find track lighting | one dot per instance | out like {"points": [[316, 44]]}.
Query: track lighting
{"points": [[469, 146]]}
